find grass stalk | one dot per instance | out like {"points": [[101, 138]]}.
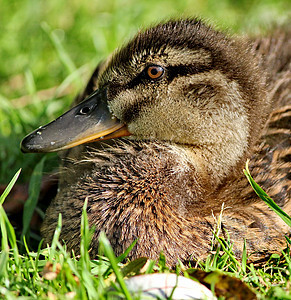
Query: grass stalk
{"points": [[31, 202], [108, 251], [264, 196]]}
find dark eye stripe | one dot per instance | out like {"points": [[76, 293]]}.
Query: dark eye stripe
{"points": [[183, 70], [135, 81], [143, 76], [171, 73]]}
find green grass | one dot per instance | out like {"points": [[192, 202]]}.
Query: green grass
{"points": [[48, 50], [57, 274], [264, 196]]}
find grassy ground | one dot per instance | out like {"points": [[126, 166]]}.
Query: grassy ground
{"points": [[47, 50], [53, 273]]}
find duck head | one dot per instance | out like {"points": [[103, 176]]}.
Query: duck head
{"points": [[180, 82]]}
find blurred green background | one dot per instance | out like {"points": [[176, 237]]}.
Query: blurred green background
{"points": [[48, 48]]}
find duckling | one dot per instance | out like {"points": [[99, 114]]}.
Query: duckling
{"points": [[171, 118]]}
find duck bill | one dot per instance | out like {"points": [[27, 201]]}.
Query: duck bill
{"points": [[87, 122]]}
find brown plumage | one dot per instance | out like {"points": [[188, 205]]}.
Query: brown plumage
{"points": [[216, 101]]}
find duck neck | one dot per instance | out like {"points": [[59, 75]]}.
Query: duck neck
{"points": [[214, 163]]}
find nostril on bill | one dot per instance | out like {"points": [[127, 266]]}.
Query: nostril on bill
{"points": [[84, 110]]}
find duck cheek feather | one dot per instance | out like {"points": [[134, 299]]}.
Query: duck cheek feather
{"points": [[89, 121]]}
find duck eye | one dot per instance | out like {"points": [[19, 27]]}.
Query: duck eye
{"points": [[155, 72]]}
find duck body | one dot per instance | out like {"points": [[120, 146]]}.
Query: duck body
{"points": [[196, 104]]}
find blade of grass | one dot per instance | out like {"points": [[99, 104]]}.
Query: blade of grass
{"points": [[3, 263], [7, 230], [244, 258], [57, 233], [106, 247], [30, 84], [64, 57], [9, 187], [150, 267], [34, 190], [86, 236], [31, 258], [126, 252], [228, 252], [4, 239], [264, 196], [121, 257], [11, 235]]}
